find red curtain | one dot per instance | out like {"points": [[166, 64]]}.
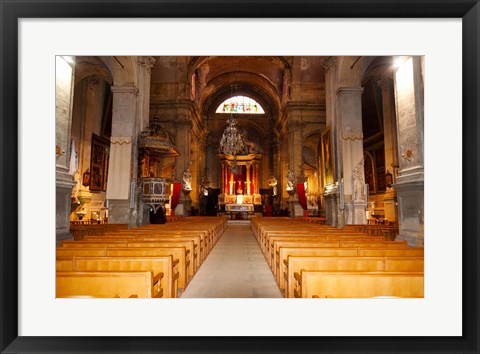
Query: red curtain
{"points": [[302, 198], [175, 196]]}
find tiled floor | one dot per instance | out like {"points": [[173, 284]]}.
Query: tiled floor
{"points": [[235, 268]]}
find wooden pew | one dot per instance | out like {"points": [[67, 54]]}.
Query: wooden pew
{"points": [[314, 243], [358, 284], [161, 265], [296, 264], [139, 236], [179, 253], [286, 251], [167, 242], [107, 284]]}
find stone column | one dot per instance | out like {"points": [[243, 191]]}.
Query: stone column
{"points": [[121, 202], [144, 72], [183, 138], [391, 146], [63, 120], [295, 160], [410, 182], [350, 122]]}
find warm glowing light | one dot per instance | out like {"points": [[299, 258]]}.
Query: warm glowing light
{"points": [[63, 71], [404, 76], [240, 104], [69, 59], [398, 62]]}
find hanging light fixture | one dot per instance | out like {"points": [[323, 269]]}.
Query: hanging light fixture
{"points": [[232, 141]]}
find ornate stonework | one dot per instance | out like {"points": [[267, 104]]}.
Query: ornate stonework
{"points": [[147, 62], [328, 63], [184, 123], [295, 126]]}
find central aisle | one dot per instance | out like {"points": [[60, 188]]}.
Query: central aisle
{"points": [[235, 268]]}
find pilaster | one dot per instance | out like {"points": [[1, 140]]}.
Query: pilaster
{"points": [[121, 190], [410, 182], [183, 129], [63, 180], [351, 133]]}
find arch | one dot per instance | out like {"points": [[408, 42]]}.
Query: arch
{"points": [[351, 70], [89, 66], [240, 83], [197, 61]]}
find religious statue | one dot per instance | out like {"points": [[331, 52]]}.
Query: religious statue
{"points": [[76, 186], [358, 184], [290, 181], [187, 180], [272, 182]]}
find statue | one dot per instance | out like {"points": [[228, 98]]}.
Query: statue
{"points": [[358, 184], [76, 186], [272, 182], [187, 180], [290, 181]]}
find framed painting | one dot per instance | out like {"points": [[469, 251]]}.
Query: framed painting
{"points": [[327, 166], [99, 163], [14, 222]]}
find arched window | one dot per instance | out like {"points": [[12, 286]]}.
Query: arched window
{"points": [[240, 104]]}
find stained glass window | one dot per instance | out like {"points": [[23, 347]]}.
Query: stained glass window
{"points": [[240, 104]]}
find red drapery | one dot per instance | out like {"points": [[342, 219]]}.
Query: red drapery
{"points": [[175, 196], [302, 198]]}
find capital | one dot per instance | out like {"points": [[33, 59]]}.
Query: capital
{"points": [[385, 84], [184, 123], [295, 126], [328, 63], [147, 62], [125, 89]]}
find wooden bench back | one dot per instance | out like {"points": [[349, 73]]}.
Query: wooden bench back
{"points": [[180, 253], [106, 284], [389, 264], [158, 265], [331, 284]]}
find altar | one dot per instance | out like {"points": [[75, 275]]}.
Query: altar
{"points": [[240, 184], [239, 211]]}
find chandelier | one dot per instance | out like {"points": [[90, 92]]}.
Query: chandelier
{"points": [[232, 142]]}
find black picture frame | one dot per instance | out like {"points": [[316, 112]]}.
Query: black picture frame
{"points": [[12, 11]]}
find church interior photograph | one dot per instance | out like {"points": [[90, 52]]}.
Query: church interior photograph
{"points": [[239, 176]]}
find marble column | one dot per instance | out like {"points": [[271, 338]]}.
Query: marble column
{"points": [[183, 138], [350, 122], [391, 147], [121, 200], [410, 182]]}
